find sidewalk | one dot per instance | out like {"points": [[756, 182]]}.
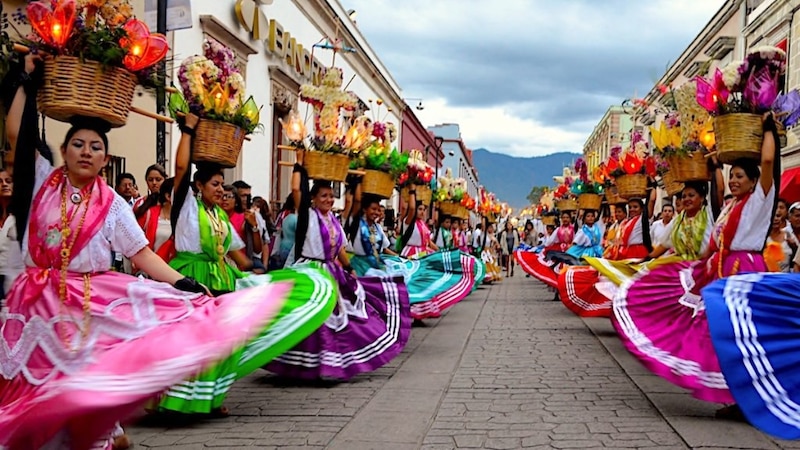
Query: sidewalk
{"points": [[506, 368]]}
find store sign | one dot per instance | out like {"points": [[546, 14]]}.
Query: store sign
{"points": [[278, 41]]}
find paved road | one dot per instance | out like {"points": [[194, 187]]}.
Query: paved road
{"points": [[507, 368]]}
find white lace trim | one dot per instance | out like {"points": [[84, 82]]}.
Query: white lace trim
{"points": [[40, 333]]}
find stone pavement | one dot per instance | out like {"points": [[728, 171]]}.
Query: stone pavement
{"points": [[506, 368]]}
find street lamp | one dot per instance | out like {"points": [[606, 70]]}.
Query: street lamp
{"points": [[419, 106]]}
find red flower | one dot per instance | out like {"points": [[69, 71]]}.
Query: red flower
{"points": [[631, 163], [650, 166], [612, 165], [403, 178]]}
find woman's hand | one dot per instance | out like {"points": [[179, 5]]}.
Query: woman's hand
{"points": [[31, 60], [191, 121], [250, 218]]}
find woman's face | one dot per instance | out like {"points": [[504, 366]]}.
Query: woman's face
{"points": [[421, 212], [154, 181], [211, 191], [373, 212], [566, 219], [634, 209], [85, 154], [620, 214], [739, 184], [589, 218], [6, 184], [777, 222], [446, 223], [323, 201], [782, 210], [529, 227], [692, 201], [509, 227], [228, 202]]}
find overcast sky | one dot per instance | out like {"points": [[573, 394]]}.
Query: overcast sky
{"points": [[527, 77]]}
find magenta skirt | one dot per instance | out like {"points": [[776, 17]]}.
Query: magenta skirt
{"points": [[660, 317]]}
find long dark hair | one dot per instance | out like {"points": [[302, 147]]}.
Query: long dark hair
{"points": [[204, 173], [648, 243]]}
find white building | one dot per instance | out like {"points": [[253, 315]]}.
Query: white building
{"points": [[274, 43], [457, 157]]}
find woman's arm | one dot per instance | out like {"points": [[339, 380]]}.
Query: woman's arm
{"points": [[767, 153], [344, 260], [241, 260], [411, 210], [183, 154], [251, 226], [151, 264]]}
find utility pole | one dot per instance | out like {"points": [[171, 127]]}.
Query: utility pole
{"points": [[161, 95]]}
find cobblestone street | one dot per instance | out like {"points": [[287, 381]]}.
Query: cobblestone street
{"points": [[507, 368]]}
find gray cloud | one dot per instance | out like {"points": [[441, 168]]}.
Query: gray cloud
{"points": [[561, 64]]}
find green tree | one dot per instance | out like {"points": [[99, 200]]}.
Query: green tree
{"points": [[536, 194]]}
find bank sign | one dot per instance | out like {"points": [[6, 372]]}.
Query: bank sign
{"points": [[278, 41]]}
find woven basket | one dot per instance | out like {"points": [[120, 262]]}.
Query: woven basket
{"points": [[217, 142], [693, 167], [671, 185], [424, 194], [738, 136], [73, 87], [549, 220], [632, 186], [491, 218], [377, 183], [589, 201], [612, 196], [450, 209], [326, 166], [463, 212], [567, 205]]}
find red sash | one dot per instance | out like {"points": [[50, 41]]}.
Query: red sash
{"points": [[166, 250], [723, 235]]}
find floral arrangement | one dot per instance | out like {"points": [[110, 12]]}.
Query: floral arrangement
{"points": [[213, 88], [468, 202], [450, 189], [378, 153], [749, 86], [418, 172], [97, 30], [563, 192], [787, 108], [635, 159], [585, 184]]}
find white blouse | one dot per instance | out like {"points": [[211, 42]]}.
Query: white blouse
{"points": [[11, 264], [416, 238], [187, 230], [313, 247], [636, 237], [756, 220], [120, 232]]}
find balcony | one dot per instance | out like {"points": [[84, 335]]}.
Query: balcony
{"points": [[721, 47]]}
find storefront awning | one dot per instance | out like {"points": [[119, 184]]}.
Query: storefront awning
{"points": [[790, 185]]}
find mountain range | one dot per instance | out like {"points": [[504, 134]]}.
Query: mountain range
{"points": [[512, 177]]}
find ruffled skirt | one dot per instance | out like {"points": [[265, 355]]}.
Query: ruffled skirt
{"points": [[70, 378], [578, 290], [368, 328]]}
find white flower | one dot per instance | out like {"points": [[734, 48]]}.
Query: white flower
{"points": [[730, 74], [769, 52]]}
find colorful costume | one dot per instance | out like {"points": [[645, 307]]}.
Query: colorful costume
{"points": [[538, 265]]}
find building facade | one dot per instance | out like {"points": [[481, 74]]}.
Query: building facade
{"points": [[457, 157], [609, 132], [414, 136]]}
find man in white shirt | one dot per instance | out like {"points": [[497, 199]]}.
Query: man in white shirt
{"points": [[658, 227], [477, 240], [126, 188]]}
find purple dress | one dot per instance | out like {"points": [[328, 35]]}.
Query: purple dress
{"points": [[369, 326]]}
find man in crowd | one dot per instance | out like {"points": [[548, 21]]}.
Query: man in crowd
{"points": [[659, 227], [126, 187]]}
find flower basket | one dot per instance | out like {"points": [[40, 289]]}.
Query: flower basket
{"points": [[693, 167], [424, 193], [632, 186], [451, 209], [378, 183], [326, 166], [569, 204], [73, 87], [589, 201], [671, 185], [612, 196], [491, 218], [463, 213], [549, 220], [737, 136], [217, 142]]}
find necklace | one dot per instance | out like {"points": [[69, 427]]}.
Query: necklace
{"points": [[76, 198], [218, 226], [66, 253], [331, 230]]}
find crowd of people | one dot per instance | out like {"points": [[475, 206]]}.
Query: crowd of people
{"points": [[702, 292], [119, 301]]}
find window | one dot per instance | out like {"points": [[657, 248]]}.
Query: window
{"points": [[115, 166]]}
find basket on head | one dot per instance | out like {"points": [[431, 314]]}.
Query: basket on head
{"points": [[491, 218], [549, 220], [423, 193], [463, 212], [612, 196], [72, 87], [632, 186], [737, 136], [217, 142], [326, 166], [692, 167], [378, 183], [589, 201], [671, 185], [569, 204], [450, 209]]}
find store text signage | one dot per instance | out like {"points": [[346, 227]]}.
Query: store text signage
{"points": [[278, 41]]}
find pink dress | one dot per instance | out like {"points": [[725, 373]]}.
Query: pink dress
{"points": [[85, 347]]}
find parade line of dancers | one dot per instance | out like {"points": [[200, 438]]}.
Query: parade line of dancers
{"points": [[86, 347]]}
